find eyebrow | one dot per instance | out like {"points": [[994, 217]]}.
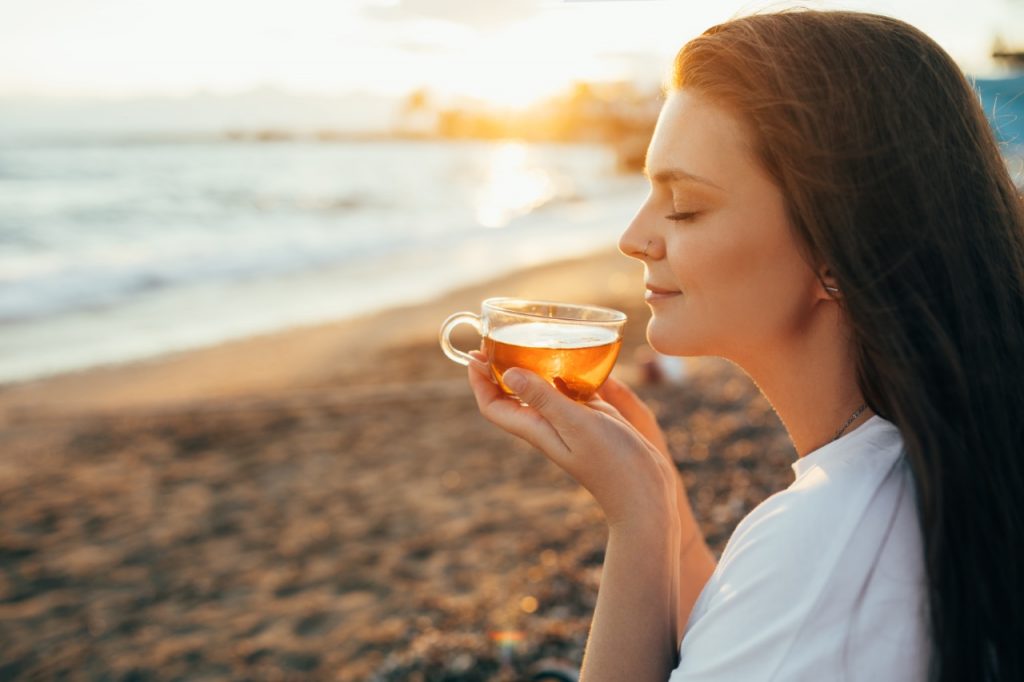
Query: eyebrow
{"points": [[668, 175]]}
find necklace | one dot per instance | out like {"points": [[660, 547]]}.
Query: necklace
{"points": [[849, 421]]}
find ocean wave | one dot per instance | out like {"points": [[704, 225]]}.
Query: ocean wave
{"points": [[152, 247], [73, 284]]}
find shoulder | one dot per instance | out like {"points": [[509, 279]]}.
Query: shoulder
{"points": [[793, 529], [800, 564]]}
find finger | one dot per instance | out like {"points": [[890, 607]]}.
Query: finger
{"points": [[636, 412], [563, 413], [613, 389], [519, 420], [627, 403], [601, 405], [478, 361]]}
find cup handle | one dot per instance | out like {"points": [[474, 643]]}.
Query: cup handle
{"points": [[451, 323]]}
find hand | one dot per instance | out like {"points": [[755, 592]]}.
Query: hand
{"points": [[634, 484], [635, 411]]}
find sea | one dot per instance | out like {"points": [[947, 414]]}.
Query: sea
{"points": [[122, 249], [115, 249]]}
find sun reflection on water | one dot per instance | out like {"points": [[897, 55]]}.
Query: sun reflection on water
{"points": [[512, 186]]}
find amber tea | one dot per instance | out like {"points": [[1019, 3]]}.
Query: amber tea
{"points": [[574, 358], [572, 346]]}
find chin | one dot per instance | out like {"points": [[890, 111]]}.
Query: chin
{"points": [[670, 339], [661, 338]]}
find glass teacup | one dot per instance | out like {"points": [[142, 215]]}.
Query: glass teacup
{"points": [[572, 346]]}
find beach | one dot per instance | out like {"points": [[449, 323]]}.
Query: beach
{"points": [[326, 503]]}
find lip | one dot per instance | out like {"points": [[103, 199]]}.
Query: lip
{"points": [[655, 293]]}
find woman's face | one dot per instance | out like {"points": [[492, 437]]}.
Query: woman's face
{"points": [[724, 274]]}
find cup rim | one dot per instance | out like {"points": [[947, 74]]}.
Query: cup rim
{"points": [[617, 316]]}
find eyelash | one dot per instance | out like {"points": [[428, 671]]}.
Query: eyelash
{"points": [[682, 217]]}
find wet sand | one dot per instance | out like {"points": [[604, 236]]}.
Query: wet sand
{"points": [[326, 503]]}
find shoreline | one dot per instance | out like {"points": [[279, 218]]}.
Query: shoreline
{"points": [[311, 356]]}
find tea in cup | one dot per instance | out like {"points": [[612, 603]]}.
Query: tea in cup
{"points": [[573, 347]]}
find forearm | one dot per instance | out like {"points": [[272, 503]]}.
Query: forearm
{"points": [[634, 631], [696, 562]]}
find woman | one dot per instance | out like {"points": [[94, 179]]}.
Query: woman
{"points": [[830, 212]]}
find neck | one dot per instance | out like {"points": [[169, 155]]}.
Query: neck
{"points": [[811, 382]]}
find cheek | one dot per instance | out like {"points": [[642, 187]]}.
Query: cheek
{"points": [[760, 295], [738, 292], [722, 275]]}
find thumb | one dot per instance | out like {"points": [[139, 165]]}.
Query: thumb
{"points": [[557, 408]]}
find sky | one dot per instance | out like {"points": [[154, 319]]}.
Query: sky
{"points": [[143, 66], [506, 51]]}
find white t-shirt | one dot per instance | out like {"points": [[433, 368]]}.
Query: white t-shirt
{"points": [[823, 580]]}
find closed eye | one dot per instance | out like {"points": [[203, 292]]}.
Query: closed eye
{"points": [[682, 217]]}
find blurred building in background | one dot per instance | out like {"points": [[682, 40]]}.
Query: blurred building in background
{"points": [[617, 113]]}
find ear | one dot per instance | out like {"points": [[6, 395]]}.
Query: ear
{"points": [[829, 285]]}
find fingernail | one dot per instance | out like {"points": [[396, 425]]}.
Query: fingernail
{"points": [[514, 379]]}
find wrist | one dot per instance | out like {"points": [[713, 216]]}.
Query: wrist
{"points": [[655, 526]]}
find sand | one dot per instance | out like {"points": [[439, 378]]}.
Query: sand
{"points": [[326, 503]]}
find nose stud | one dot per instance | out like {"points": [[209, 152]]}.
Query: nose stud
{"points": [[647, 247]]}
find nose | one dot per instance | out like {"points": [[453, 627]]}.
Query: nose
{"points": [[639, 240]]}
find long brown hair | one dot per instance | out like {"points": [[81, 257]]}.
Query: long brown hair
{"points": [[893, 179]]}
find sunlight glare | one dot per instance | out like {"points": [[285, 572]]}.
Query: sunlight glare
{"points": [[511, 187]]}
